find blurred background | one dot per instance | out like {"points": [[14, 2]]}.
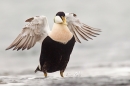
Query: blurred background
{"points": [[107, 54]]}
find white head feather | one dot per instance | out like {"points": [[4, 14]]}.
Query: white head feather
{"points": [[58, 20]]}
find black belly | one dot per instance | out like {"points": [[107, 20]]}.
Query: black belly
{"points": [[55, 55]]}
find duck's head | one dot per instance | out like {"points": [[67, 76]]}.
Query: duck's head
{"points": [[60, 18]]}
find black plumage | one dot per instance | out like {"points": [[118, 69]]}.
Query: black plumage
{"points": [[55, 55]]}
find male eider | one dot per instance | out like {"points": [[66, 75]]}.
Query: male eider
{"points": [[56, 44]]}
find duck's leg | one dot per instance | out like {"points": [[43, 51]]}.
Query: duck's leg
{"points": [[61, 73], [44, 69], [45, 73]]}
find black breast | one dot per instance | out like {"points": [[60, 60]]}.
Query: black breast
{"points": [[54, 55]]}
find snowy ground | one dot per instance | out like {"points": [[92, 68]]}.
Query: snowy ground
{"points": [[90, 77]]}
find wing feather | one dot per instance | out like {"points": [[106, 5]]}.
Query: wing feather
{"points": [[35, 31], [29, 20], [80, 33], [15, 45], [78, 28], [85, 34], [76, 37], [91, 28], [14, 42], [25, 43], [90, 31], [29, 43], [21, 43], [90, 34]]}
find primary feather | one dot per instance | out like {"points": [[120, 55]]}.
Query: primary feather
{"points": [[35, 31], [78, 28]]}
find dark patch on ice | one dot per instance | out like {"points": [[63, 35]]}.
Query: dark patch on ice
{"points": [[2, 82]]}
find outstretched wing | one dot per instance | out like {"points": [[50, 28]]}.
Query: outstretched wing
{"points": [[35, 31], [76, 27]]}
